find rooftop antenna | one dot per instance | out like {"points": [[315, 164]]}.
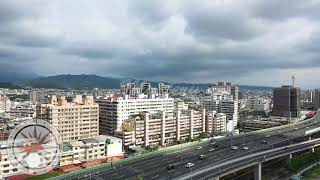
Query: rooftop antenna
{"points": [[293, 78]]}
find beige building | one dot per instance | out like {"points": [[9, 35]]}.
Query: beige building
{"points": [[75, 120], [163, 128], [220, 123]]}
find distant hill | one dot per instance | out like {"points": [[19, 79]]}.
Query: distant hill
{"points": [[94, 81], [74, 81], [9, 85]]}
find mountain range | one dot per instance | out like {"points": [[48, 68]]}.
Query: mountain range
{"points": [[65, 81]]}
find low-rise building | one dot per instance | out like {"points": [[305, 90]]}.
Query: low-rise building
{"points": [[100, 147]]}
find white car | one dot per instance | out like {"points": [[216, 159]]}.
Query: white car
{"points": [[234, 147], [267, 136], [213, 143], [189, 165], [199, 147], [211, 150], [245, 148]]}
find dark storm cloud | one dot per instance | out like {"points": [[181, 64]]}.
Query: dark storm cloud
{"points": [[189, 41], [284, 9]]}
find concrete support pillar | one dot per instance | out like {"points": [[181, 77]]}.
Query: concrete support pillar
{"points": [[257, 172], [178, 125], [163, 128], [146, 129], [312, 149], [290, 156], [204, 120], [191, 123], [310, 138], [215, 178]]}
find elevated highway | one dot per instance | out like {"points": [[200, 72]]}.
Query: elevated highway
{"points": [[263, 145]]}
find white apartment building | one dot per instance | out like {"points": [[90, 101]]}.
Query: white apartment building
{"points": [[163, 128], [23, 110], [5, 104], [75, 120], [115, 110]]}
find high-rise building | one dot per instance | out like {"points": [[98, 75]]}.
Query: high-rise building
{"points": [[235, 92], [36, 96], [222, 103], [5, 104], [145, 88], [286, 101], [230, 109], [316, 99], [75, 120]]}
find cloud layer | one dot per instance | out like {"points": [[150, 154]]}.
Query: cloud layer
{"points": [[249, 42]]}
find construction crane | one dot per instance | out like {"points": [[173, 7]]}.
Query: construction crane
{"points": [[293, 78]]}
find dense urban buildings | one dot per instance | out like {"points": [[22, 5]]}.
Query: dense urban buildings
{"points": [[75, 120], [223, 98], [286, 101], [115, 109], [85, 152]]}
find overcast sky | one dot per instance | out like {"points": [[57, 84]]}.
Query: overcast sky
{"points": [[245, 41]]}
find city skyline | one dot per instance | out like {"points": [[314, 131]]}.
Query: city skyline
{"points": [[252, 42]]}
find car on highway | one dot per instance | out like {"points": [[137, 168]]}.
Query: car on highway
{"points": [[170, 166], [245, 148], [213, 143], [211, 150], [202, 156], [199, 147], [189, 165], [264, 142], [296, 128], [267, 136], [283, 136], [234, 147]]}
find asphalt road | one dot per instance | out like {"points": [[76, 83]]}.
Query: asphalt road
{"points": [[155, 168]]}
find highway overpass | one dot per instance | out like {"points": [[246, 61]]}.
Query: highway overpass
{"points": [[263, 145]]}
